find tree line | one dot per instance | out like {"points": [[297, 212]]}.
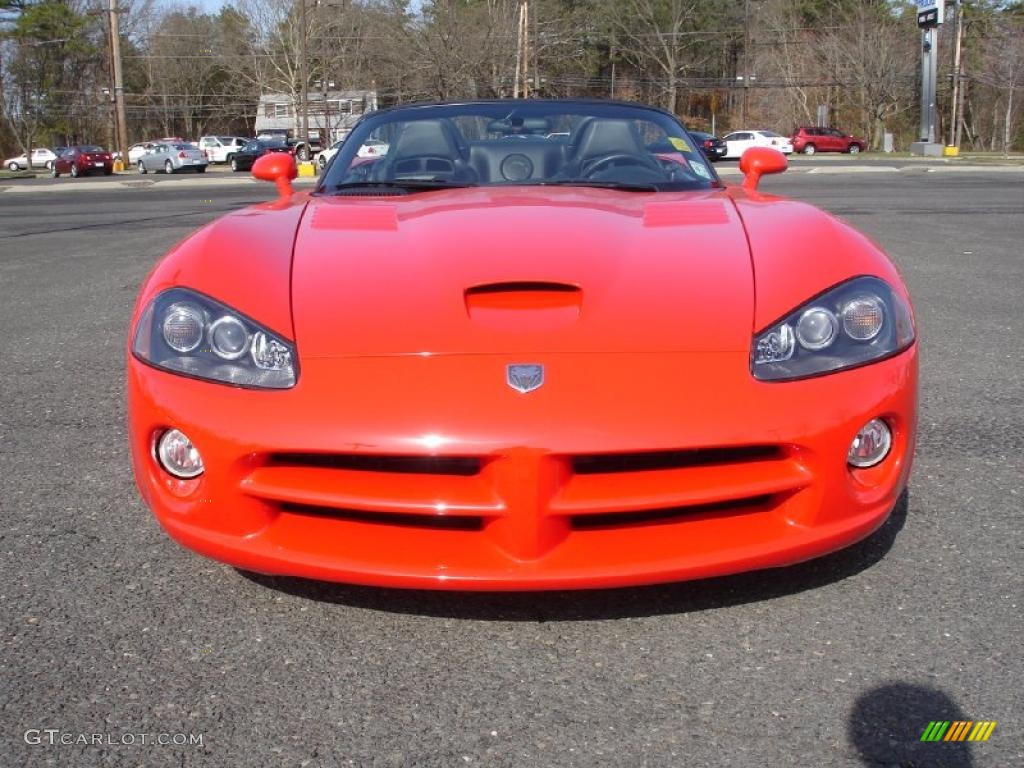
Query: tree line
{"points": [[718, 64]]}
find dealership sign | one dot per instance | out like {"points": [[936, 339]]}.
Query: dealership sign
{"points": [[929, 12]]}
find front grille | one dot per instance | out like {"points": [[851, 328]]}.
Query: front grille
{"points": [[607, 463], [435, 522], [672, 514], [425, 465], [568, 494]]}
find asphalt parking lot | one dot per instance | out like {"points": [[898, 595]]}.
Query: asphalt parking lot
{"points": [[111, 628]]}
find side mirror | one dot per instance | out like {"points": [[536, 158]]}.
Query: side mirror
{"points": [[758, 161], [278, 167]]}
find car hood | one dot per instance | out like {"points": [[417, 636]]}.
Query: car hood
{"points": [[521, 271]]}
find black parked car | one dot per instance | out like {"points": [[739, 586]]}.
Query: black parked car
{"points": [[246, 156], [303, 152], [712, 146]]}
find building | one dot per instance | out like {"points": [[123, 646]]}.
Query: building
{"points": [[331, 113]]}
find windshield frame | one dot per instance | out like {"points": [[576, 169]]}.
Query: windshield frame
{"points": [[363, 132]]}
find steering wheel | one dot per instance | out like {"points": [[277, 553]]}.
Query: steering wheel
{"points": [[590, 167]]}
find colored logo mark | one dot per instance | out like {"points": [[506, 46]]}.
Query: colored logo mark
{"points": [[958, 730]]}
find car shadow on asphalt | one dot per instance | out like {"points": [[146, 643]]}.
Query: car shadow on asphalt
{"points": [[592, 605], [887, 723]]}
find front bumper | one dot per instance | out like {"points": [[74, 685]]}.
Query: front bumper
{"points": [[431, 473]]}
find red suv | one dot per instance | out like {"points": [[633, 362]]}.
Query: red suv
{"points": [[810, 140]]}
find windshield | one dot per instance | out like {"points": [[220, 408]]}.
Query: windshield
{"points": [[520, 143]]}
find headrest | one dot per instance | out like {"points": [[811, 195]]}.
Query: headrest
{"points": [[604, 137], [426, 137]]}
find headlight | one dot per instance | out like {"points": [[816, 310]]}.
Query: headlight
{"points": [[856, 322], [191, 334]]}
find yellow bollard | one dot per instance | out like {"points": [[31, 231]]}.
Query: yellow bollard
{"points": [[118, 166], [307, 169]]}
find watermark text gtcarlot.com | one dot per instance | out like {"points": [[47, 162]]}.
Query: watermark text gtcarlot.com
{"points": [[55, 737]]}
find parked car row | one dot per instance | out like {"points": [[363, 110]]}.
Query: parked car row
{"points": [[168, 155], [172, 154], [805, 139]]}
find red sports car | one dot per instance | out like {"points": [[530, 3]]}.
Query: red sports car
{"points": [[78, 161], [537, 345]]}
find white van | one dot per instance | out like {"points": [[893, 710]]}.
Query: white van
{"points": [[220, 149]]}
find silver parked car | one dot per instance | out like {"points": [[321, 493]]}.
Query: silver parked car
{"points": [[173, 156]]}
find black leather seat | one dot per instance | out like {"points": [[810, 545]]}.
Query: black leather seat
{"points": [[427, 149], [598, 138]]}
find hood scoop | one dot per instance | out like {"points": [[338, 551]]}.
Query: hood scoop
{"points": [[524, 305]]}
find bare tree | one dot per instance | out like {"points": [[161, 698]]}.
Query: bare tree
{"points": [[186, 77], [659, 35], [1002, 75], [874, 59]]}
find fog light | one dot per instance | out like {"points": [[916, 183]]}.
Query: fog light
{"points": [[871, 444], [178, 456]]}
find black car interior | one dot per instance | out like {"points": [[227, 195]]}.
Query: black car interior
{"points": [[524, 150]]}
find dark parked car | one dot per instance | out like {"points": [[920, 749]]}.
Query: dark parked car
{"points": [[810, 140], [246, 156], [303, 152], [81, 160], [712, 146]]}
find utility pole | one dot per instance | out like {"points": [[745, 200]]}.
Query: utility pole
{"points": [[611, 55], [519, 54], [536, 61], [746, 63], [521, 83], [304, 82], [115, 54], [526, 49]]}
